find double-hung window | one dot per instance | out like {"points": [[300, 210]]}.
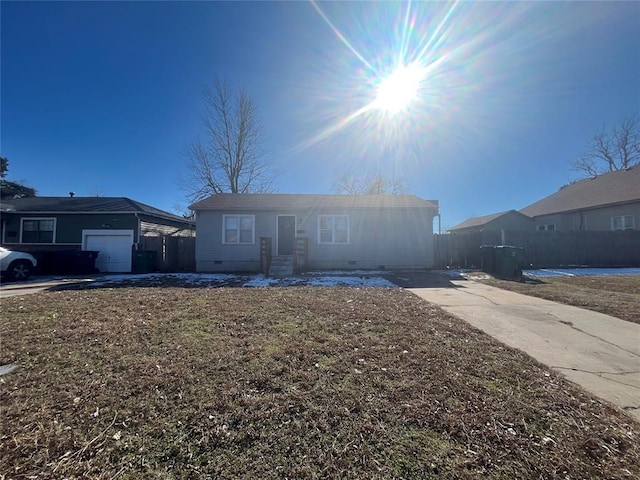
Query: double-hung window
{"points": [[38, 230], [238, 229], [550, 227], [623, 222], [333, 229]]}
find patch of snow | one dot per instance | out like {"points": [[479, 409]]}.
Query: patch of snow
{"points": [[218, 279], [580, 272], [261, 281], [558, 273], [454, 273], [478, 276], [158, 278], [5, 369]]}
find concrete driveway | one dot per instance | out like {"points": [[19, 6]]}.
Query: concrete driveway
{"points": [[598, 352], [12, 289]]}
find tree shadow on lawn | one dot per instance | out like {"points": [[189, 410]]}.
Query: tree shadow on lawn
{"points": [[230, 280], [167, 281], [390, 279], [423, 279]]}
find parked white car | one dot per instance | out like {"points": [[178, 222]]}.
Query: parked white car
{"points": [[16, 265]]}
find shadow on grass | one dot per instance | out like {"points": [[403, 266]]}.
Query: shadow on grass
{"points": [[521, 279], [403, 279], [196, 281], [162, 282], [422, 279]]}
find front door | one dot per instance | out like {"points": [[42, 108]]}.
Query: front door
{"points": [[286, 234]]}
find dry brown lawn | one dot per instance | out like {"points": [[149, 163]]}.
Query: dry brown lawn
{"points": [[618, 296], [299, 382]]}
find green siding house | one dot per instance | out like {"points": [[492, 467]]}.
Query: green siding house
{"points": [[114, 226]]}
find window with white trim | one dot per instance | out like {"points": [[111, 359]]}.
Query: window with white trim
{"points": [[38, 230], [238, 229], [333, 228], [623, 222], [548, 227]]}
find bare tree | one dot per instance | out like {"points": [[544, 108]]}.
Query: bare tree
{"points": [[351, 184], [231, 158], [611, 150]]}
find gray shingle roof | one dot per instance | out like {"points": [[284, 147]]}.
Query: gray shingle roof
{"points": [[479, 221], [607, 189], [83, 205], [274, 201]]}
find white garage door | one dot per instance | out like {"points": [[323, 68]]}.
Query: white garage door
{"points": [[114, 247]]}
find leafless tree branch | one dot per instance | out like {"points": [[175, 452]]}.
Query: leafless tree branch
{"points": [[351, 184], [612, 150], [230, 158]]}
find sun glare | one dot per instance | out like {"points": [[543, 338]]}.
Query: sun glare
{"points": [[387, 94], [396, 91]]}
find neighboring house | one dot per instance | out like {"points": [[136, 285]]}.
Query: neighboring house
{"points": [[341, 231], [114, 226], [510, 220], [610, 201]]}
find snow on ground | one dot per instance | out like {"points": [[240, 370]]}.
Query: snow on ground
{"points": [[544, 272], [455, 272], [353, 278], [249, 280], [193, 279], [261, 281], [580, 272]]}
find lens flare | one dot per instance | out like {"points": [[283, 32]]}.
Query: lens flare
{"points": [[396, 91], [398, 82], [391, 78]]}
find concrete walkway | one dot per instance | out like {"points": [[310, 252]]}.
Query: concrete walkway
{"points": [[598, 352]]}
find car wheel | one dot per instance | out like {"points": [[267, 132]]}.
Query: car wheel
{"points": [[19, 270]]}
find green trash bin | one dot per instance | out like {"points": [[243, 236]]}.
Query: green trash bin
{"points": [[144, 261], [488, 253], [508, 261]]}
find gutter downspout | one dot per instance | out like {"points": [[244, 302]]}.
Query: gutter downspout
{"points": [[437, 242], [137, 242]]}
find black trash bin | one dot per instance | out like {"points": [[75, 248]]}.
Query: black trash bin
{"points": [[85, 262], [488, 253], [63, 262], [45, 261], [74, 262]]}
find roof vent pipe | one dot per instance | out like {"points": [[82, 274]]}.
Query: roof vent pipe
{"points": [[71, 194]]}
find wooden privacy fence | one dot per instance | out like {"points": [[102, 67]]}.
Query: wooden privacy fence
{"points": [[544, 249], [172, 254]]}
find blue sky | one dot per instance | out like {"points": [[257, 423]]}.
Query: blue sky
{"points": [[102, 98]]}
